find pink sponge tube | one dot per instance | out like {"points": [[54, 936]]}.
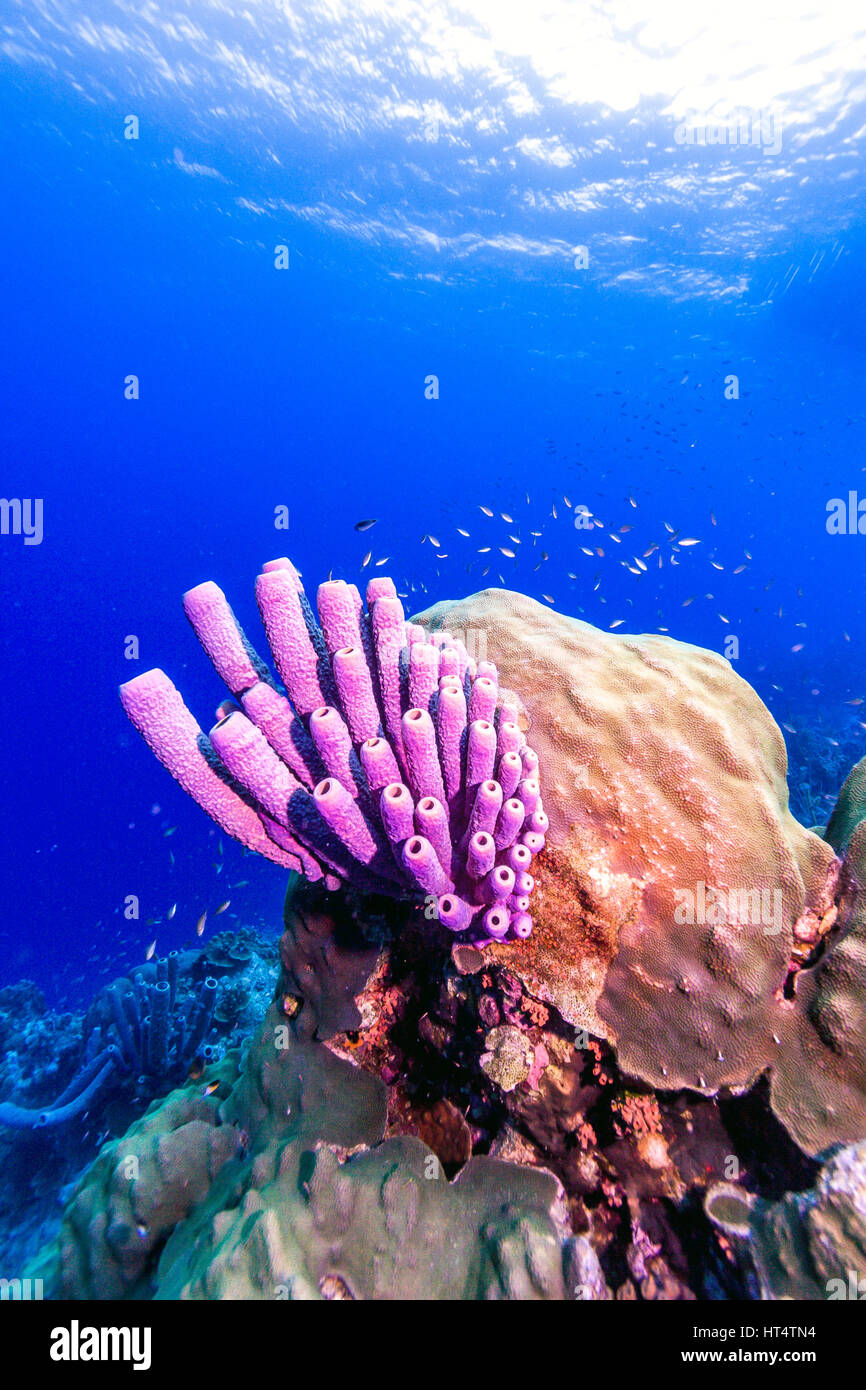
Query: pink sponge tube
{"points": [[519, 858], [285, 732], [388, 624], [431, 821], [334, 743], [480, 758], [380, 587], [449, 662], [509, 771], [499, 883], [521, 925], [252, 762], [398, 812], [420, 860], [533, 842], [450, 728], [454, 913], [528, 793], [529, 758], [482, 698], [509, 823], [290, 640], [378, 763], [422, 759], [480, 855], [355, 688], [338, 615], [485, 811], [496, 922], [509, 738], [284, 563], [222, 637], [157, 710], [423, 674], [343, 816]]}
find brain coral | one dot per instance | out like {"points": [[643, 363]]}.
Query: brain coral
{"points": [[677, 896], [850, 808]]}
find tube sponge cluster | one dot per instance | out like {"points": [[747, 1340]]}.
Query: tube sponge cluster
{"points": [[392, 761], [155, 1035]]}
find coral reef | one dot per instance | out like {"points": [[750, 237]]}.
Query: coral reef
{"points": [[393, 763], [634, 1101], [136, 1192], [681, 913], [810, 1245], [140, 1030], [276, 1183], [41, 1052]]}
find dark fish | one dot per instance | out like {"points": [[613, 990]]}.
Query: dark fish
{"points": [[365, 525]]}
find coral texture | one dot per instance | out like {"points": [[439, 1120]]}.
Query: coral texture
{"points": [[135, 1193], [277, 1184], [392, 763], [812, 1245], [681, 913], [850, 809]]}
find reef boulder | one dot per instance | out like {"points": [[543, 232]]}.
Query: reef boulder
{"points": [[682, 913]]}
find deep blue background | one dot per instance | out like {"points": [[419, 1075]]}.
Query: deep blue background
{"points": [[307, 388]]}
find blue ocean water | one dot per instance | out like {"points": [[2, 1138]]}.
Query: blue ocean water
{"points": [[510, 207]]}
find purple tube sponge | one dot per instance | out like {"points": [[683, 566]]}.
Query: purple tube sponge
{"points": [[388, 761]]}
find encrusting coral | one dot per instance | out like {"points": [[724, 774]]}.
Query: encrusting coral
{"points": [[394, 764]]}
